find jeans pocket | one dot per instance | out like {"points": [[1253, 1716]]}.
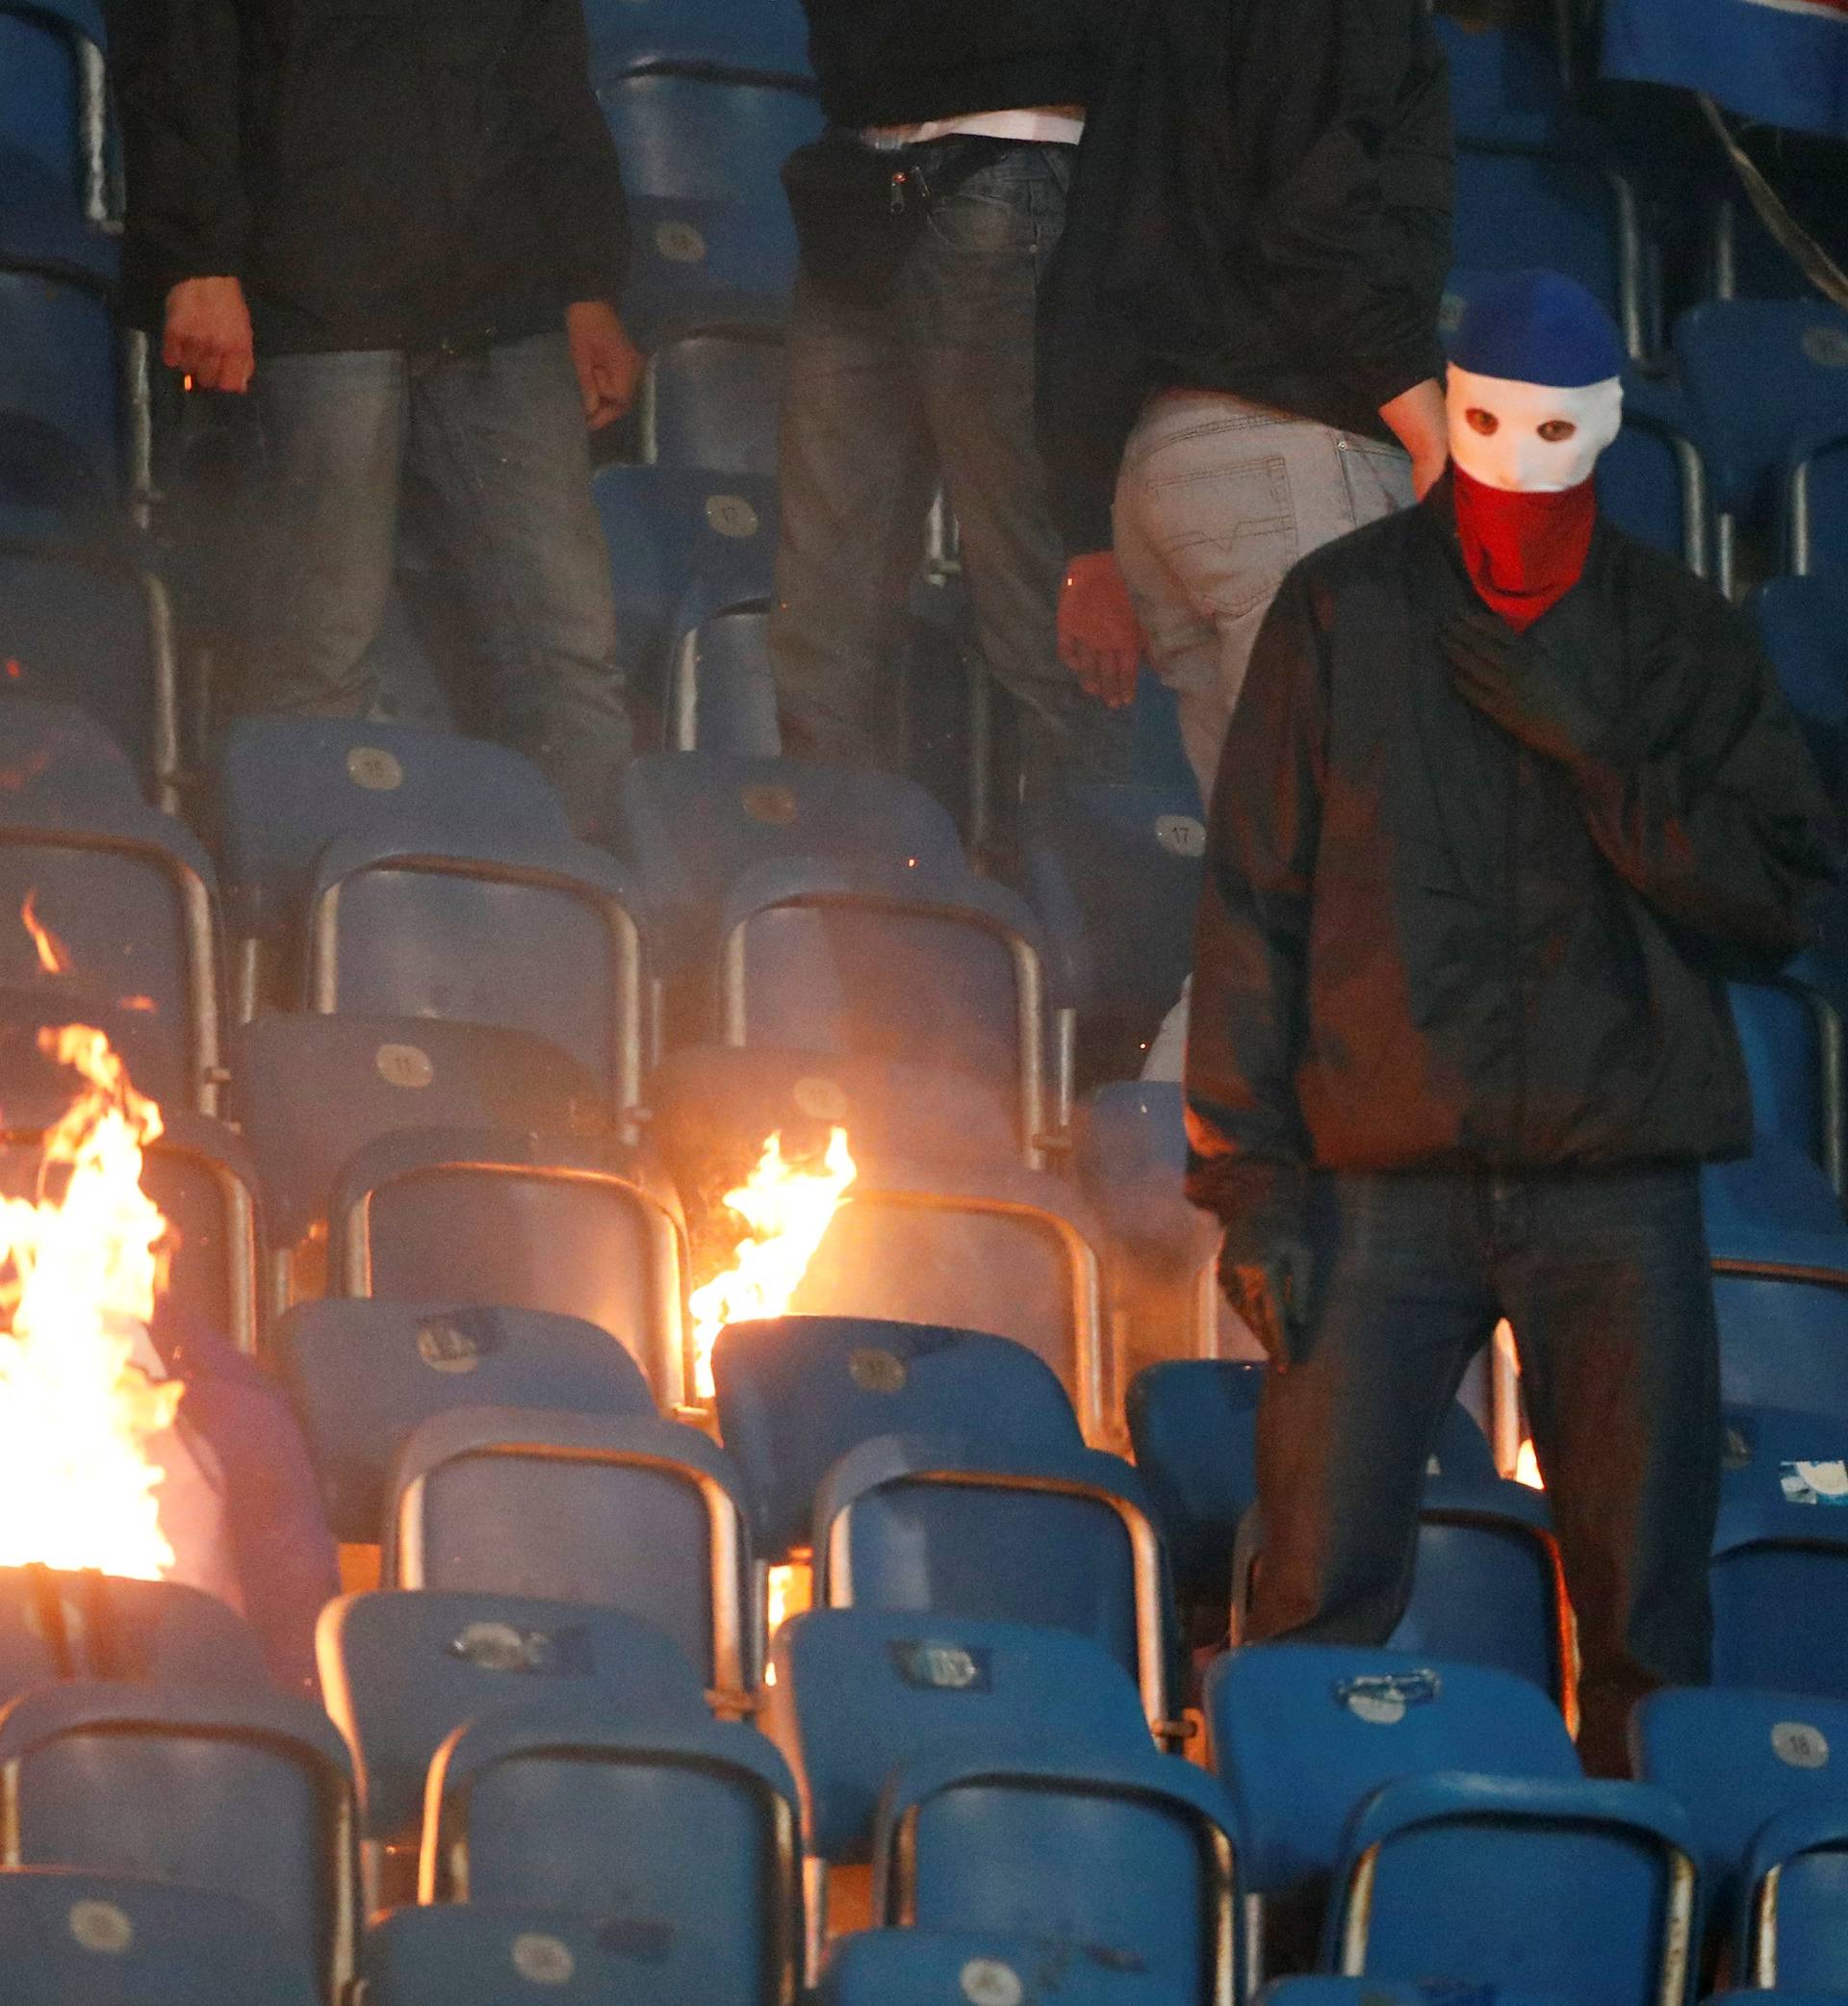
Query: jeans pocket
{"points": [[1378, 478], [1229, 530]]}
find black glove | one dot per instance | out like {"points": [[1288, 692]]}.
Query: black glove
{"points": [[1509, 676], [1266, 1268]]}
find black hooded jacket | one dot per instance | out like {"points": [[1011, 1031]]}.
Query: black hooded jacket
{"points": [[1262, 205], [1420, 944], [379, 173]]}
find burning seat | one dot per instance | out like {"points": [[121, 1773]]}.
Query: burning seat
{"points": [[401, 1672], [244, 1795], [68, 1936], [636, 1514], [679, 1835]]}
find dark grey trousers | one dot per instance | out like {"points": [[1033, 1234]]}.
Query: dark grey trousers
{"points": [[1605, 1279]]}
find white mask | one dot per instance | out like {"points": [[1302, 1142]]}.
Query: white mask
{"points": [[1527, 438]]}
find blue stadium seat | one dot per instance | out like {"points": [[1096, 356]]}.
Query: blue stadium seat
{"points": [[944, 1527], [284, 787], [1588, 1890], [1795, 1900], [796, 1394], [53, 104], [538, 936], [1030, 1833], [617, 1512], [59, 414], [161, 1633], [82, 623], [1815, 500], [1783, 1317], [244, 1794], [1763, 378], [309, 1091], [722, 691], [1301, 1735], [127, 895], [754, 38], [1791, 1037], [1322, 1991], [60, 752], [69, 1939], [401, 1673], [1515, 209], [1508, 88], [679, 1836], [1114, 872], [859, 1691], [363, 1374], [700, 163], [1193, 1424], [1735, 1760], [684, 543], [573, 1226], [480, 1954], [947, 1968], [1131, 1151], [711, 399], [1780, 1583], [1804, 625], [1763, 1445]]}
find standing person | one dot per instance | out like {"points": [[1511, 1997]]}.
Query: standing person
{"points": [[926, 217], [1508, 796], [404, 226], [1240, 341]]}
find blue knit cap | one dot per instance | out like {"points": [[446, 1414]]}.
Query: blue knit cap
{"points": [[1538, 327]]}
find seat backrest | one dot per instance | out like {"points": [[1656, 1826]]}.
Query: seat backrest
{"points": [[723, 693], [69, 1935], [758, 38], [1784, 1339], [62, 752], [1779, 1580], [401, 1672], [309, 1091], [1059, 1538], [1803, 622], [58, 385], [471, 1954], [285, 786], [797, 1393], [152, 1633], [535, 1221], [1734, 1760], [239, 1794], [859, 1690], [643, 1516], [1780, 1035], [1642, 487], [1507, 87], [686, 1831], [1301, 1733], [712, 398], [704, 139], [950, 1967], [1518, 208], [1790, 1914], [363, 1373], [1763, 379]]}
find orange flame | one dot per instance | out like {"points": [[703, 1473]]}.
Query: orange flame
{"points": [[80, 1269], [788, 1211], [1526, 1467], [53, 958]]}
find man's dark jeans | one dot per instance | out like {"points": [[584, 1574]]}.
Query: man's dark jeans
{"points": [[496, 441], [887, 392], [1603, 1277]]}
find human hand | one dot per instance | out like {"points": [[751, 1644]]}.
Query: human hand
{"points": [[1510, 681], [1100, 639], [207, 334], [1420, 423], [609, 364], [1267, 1269]]}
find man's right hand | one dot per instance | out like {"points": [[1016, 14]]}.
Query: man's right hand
{"points": [[208, 334], [1100, 640]]}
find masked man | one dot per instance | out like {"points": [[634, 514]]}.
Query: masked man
{"points": [[1506, 799]]}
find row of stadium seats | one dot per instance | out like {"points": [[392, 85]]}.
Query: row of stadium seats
{"points": [[1384, 1816]]}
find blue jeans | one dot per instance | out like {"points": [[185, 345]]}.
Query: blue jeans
{"points": [[1605, 1279], [887, 395], [495, 442]]}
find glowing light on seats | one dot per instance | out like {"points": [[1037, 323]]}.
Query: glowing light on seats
{"points": [[786, 1209], [52, 956]]}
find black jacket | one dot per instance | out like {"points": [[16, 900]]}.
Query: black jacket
{"points": [[1420, 944], [1262, 205], [904, 62], [379, 173]]}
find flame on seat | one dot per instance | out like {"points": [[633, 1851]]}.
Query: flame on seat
{"points": [[788, 1211]]}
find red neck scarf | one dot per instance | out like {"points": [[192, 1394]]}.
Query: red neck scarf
{"points": [[1523, 552]]}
